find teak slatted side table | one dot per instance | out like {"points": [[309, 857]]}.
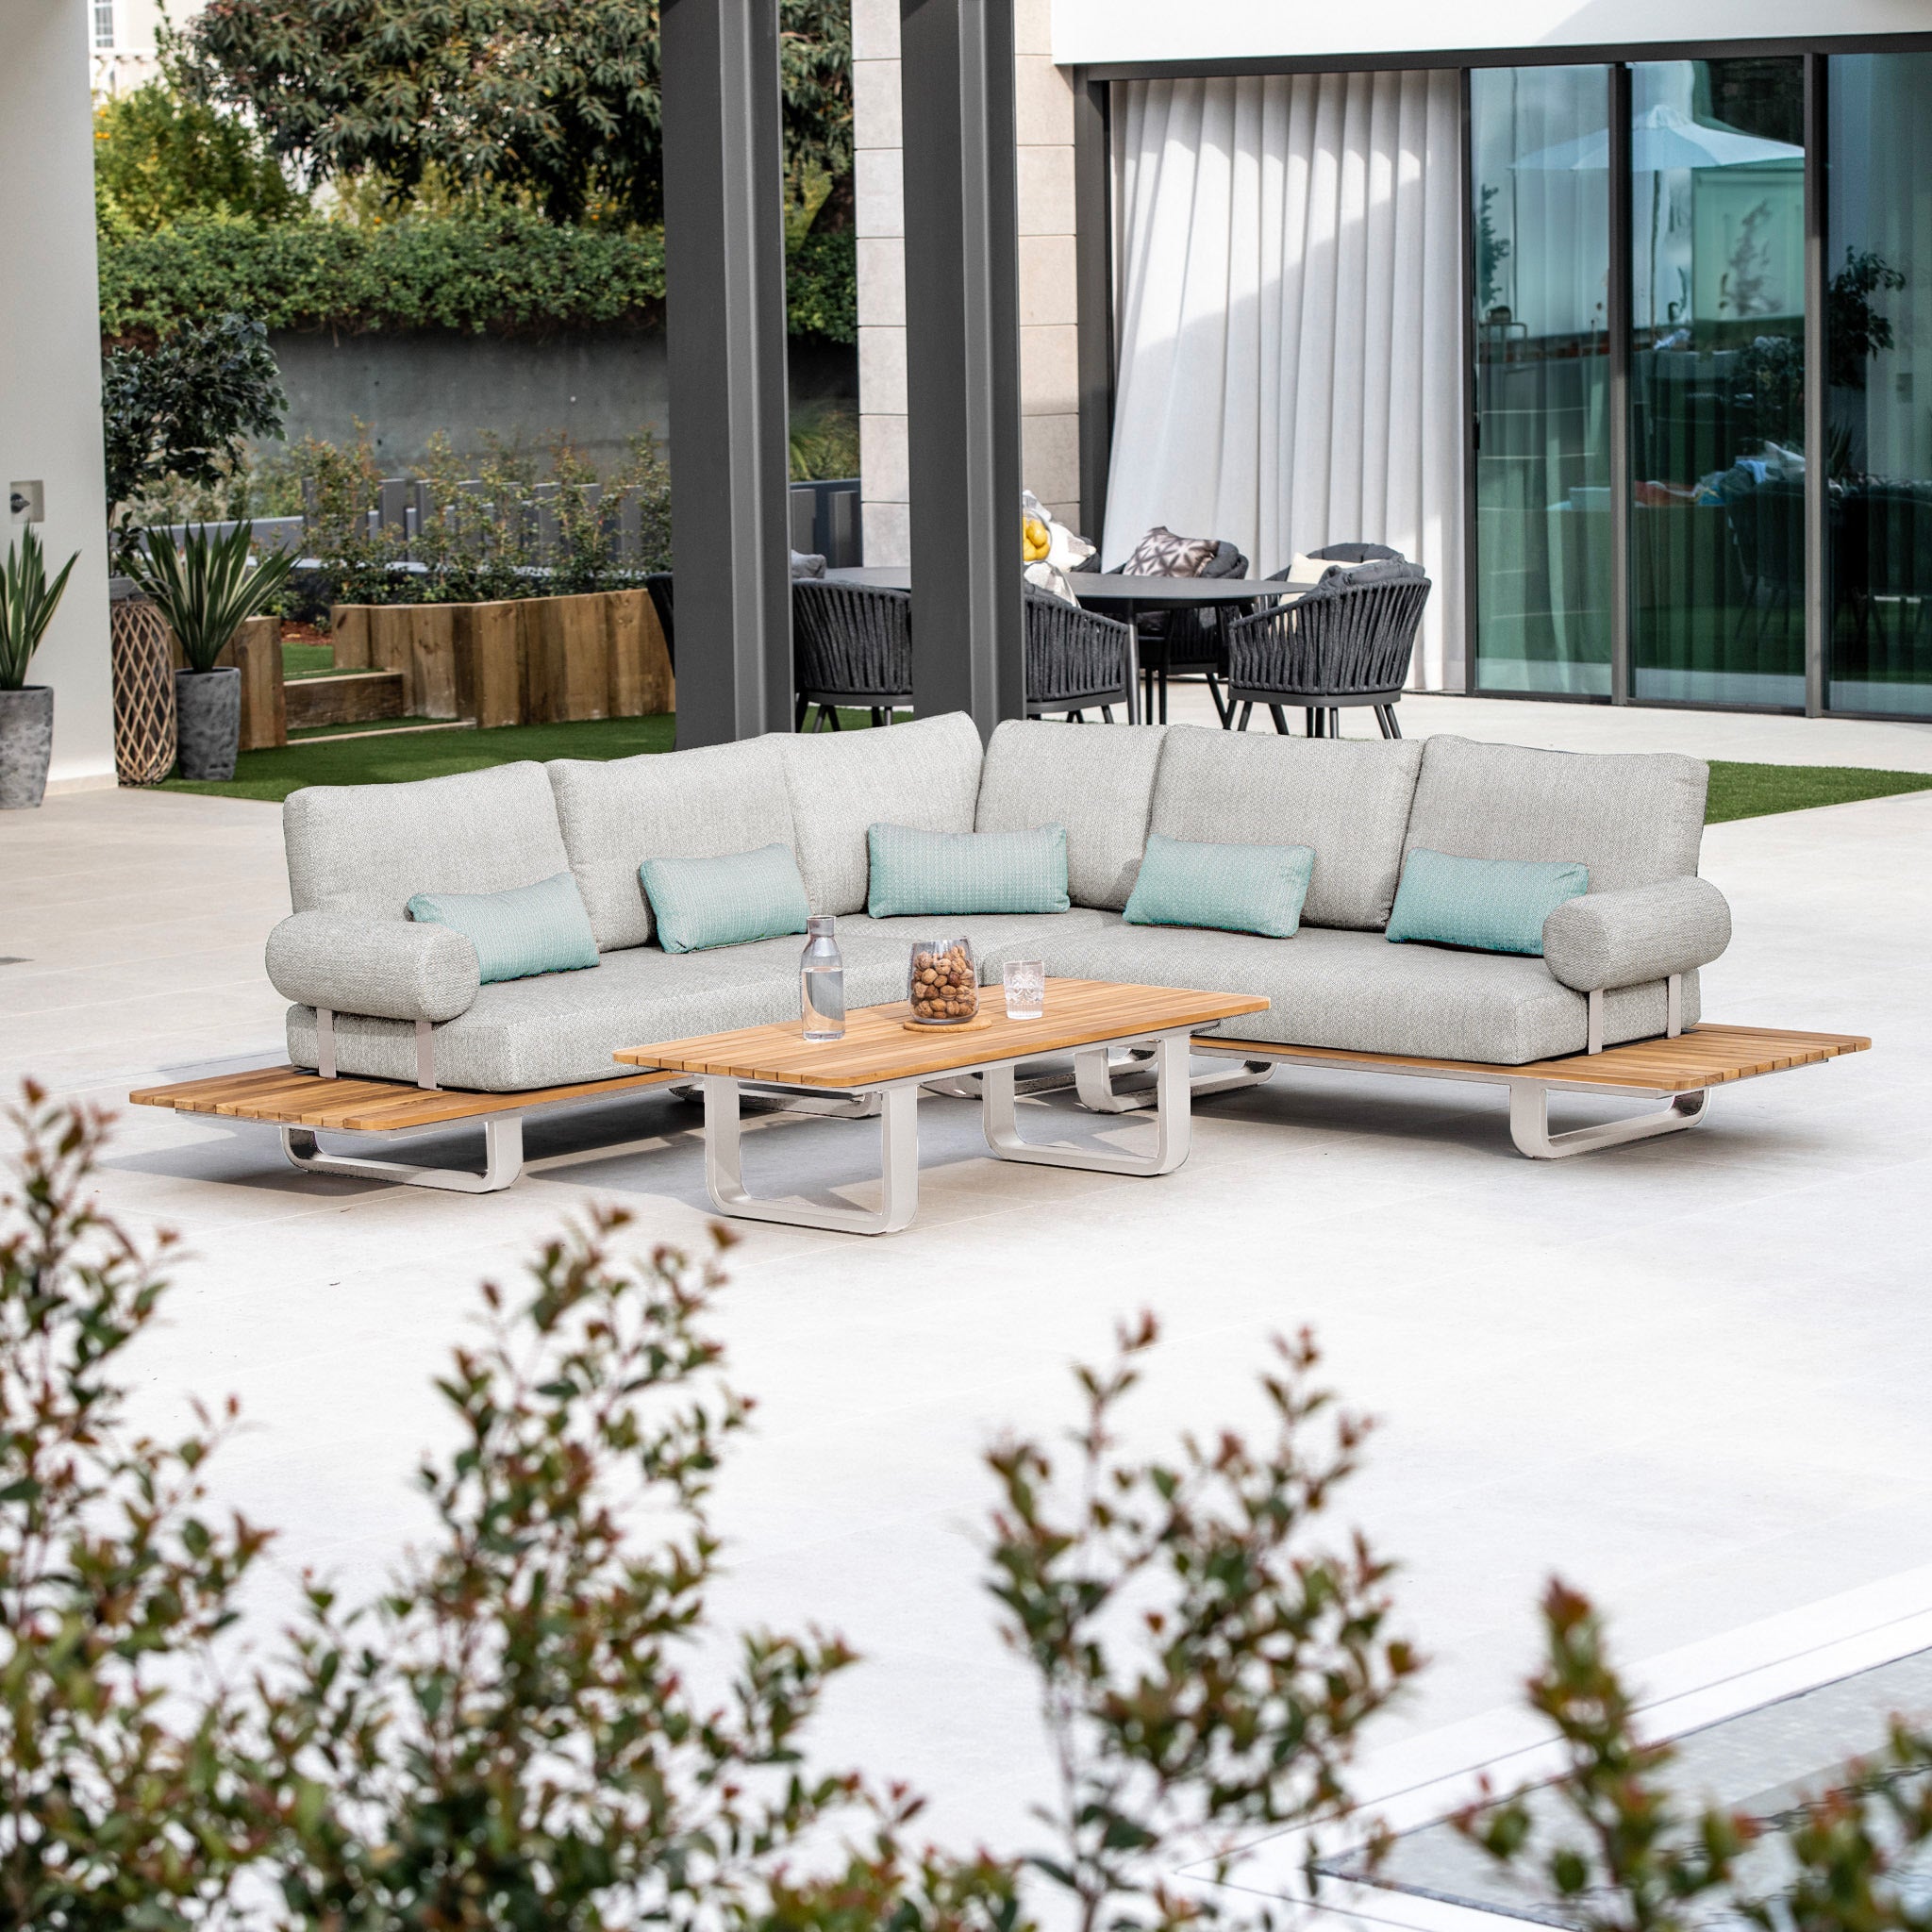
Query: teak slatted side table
{"points": [[878, 1055]]}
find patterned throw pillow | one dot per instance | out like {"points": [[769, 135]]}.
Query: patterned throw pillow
{"points": [[1488, 904], [954, 872], [518, 934], [1257, 889], [729, 901], [1161, 553]]}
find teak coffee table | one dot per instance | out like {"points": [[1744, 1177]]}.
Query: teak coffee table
{"points": [[878, 1055]]}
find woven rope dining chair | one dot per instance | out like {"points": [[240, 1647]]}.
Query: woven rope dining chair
{"points": [[1076, 661], [1348, 641], [852, 645]]}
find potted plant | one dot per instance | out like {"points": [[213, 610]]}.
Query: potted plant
{"points": [[28, 603], [208, 589]]}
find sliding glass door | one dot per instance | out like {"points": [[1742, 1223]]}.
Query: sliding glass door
{"points": [[1717, 382], [1539, 154], [1878, 328]]}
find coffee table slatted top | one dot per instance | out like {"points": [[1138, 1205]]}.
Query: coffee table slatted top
{"points": [[878, 1048]]}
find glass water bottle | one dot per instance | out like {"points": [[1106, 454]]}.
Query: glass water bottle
{"points": [[822, 982]]}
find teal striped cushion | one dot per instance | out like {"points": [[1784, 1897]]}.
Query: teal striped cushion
{"points": [[539, 928], [1257, 889], [966, 872], [1489, 905], [700, 902]]}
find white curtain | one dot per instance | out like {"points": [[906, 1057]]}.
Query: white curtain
{"points": [[1289, 309]]}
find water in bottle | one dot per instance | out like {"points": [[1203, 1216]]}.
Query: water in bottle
{"points": [[822, 982]]}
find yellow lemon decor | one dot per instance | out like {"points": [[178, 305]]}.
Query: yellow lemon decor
{"points": [[1036, 538]]}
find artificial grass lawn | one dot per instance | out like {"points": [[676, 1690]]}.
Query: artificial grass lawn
{"points": [[1737, 791], [307, 660], [1751, 791]]}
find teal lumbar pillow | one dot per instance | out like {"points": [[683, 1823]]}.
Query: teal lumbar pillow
{"points": [[700, 902], [1488, 904], [1257, 889], [530, 930], [954, 872]]}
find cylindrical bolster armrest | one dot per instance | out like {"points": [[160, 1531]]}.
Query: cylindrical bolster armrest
{"points": [[388, 968], [1640, 933]]}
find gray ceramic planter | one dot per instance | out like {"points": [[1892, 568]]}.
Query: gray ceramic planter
{"points": [[26, 744], [207, 723]]}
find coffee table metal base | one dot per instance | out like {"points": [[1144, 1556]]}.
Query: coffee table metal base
{"points": [[898, 1118]]}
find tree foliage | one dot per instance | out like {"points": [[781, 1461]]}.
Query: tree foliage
{"points": [[506, 273], [158, 157], [554, 100], [182, 408]]}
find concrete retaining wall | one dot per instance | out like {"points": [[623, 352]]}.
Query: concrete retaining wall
{"points": [[601, 386]]}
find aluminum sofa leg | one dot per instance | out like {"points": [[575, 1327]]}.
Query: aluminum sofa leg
{"points": [[325, 1042], [1673, 1006], [1530, 1123], [1173, 1122], [503, 1160], [898, 1167], [1094, 1071]]}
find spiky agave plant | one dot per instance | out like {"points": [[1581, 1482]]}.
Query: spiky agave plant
{"points": [[208, 589], [28, 603]]}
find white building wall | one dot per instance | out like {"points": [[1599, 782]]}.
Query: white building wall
{"points": [[50, 360], [1049, 332], [1094, 31]]}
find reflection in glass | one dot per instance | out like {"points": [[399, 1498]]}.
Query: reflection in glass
{"points": [[1879, 445], [1717, 382], [1540, 151]]}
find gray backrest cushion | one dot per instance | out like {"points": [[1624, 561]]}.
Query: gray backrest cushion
{"points": [[705, 803], [1096, 780], [367, 848], [924, 774], [1346, 799], [1633, 818]]}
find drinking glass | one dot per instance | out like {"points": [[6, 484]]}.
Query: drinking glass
{"points": [[1025, 989]]}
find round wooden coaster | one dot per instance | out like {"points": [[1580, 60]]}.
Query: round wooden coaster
{"points": [[976, 1025]]}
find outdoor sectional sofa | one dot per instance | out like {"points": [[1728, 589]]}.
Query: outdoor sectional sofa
{"points": [[377, 995]]}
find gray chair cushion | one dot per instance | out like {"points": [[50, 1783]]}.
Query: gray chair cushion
{"points": [[996, 936], [367, 848], [1347, 800], [1358, 992], [699, 804], [924, 774], [1641, 933], [562, 1028], [1633, 818], [1096, 781], [384, 966]]}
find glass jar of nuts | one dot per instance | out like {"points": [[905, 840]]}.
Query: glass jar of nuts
{"points": [[942, 983]]}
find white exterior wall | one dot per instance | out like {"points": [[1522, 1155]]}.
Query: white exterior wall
{"points": [[50, 362], [1049, 332], [1094, 31], [127, 59]]}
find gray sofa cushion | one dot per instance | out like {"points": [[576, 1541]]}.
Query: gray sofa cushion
{"points": [[563, 1027], [996, 936], [924, 774], [1356, 990], [1347, 801], [1098, 782], [385, 966], [1641, 933], [1632, 818], [704, 803], [367, 848]]}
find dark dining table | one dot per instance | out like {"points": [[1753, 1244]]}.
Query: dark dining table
{"points": [[1127, 598]]}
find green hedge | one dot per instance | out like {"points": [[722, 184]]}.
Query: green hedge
{"points": [[508, 273]]}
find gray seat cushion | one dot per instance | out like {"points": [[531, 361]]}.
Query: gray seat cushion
{"points": [[1358, 992], [1347, 801], [924, 774], [368, 848], [562, 1028], [699, 804], [996, 936], [1633, 818], [1098, 782]]}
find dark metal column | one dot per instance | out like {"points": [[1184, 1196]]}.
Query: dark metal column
{"points": [[1618, 303], [962, 358], [1094, 269], [1818, 596], [725, 245]]}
